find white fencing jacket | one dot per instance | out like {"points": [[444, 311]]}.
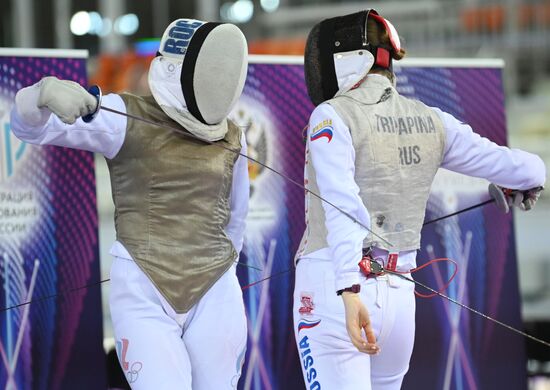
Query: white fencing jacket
{"points": [[466, 152]]}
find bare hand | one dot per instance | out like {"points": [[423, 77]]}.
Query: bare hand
{"points": [[357, 319]]}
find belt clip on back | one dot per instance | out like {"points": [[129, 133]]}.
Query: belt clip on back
{"points": [[370, 267]]}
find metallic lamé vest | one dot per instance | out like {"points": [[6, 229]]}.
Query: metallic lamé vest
{"points": [[171, 196], [399, 145]]}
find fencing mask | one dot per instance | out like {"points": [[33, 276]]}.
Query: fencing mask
{"points": [[338, 54], [199, 74]]}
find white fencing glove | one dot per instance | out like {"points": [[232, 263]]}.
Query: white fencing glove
{"points": [[506, 198], [67, 99]]}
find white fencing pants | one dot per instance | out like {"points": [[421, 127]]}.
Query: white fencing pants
{"points": [[158, 349], [328, 358]]}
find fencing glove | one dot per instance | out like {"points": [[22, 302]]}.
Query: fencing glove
{"points": [[66, 99], [506, 198]]}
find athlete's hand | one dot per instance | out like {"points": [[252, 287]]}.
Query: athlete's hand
{"points": [[523, 200], [66, 99], [357, 320]]}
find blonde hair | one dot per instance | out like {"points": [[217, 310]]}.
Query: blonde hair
{"points": [[378, 36]]}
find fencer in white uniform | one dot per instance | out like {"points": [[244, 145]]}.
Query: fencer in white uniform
{"points": [[180, 203], [373, 154]]}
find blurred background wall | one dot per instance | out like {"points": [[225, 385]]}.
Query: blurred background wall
{"points": [[122, 37]]}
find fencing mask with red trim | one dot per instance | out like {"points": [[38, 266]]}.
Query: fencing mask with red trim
{"points": [[338, 54]]}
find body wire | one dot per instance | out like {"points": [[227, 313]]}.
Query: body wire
{"points": [[487, 317], [355, 220], [189, 135]]}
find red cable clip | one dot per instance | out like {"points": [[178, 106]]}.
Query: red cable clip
{"points": [[370, 267]]}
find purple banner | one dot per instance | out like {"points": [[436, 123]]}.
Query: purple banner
{"points": [[454, 349], [48, 246]]}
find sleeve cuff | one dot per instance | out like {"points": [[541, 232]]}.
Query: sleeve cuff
{"points": [[23, 130], [26, 107], [347, 280]]}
